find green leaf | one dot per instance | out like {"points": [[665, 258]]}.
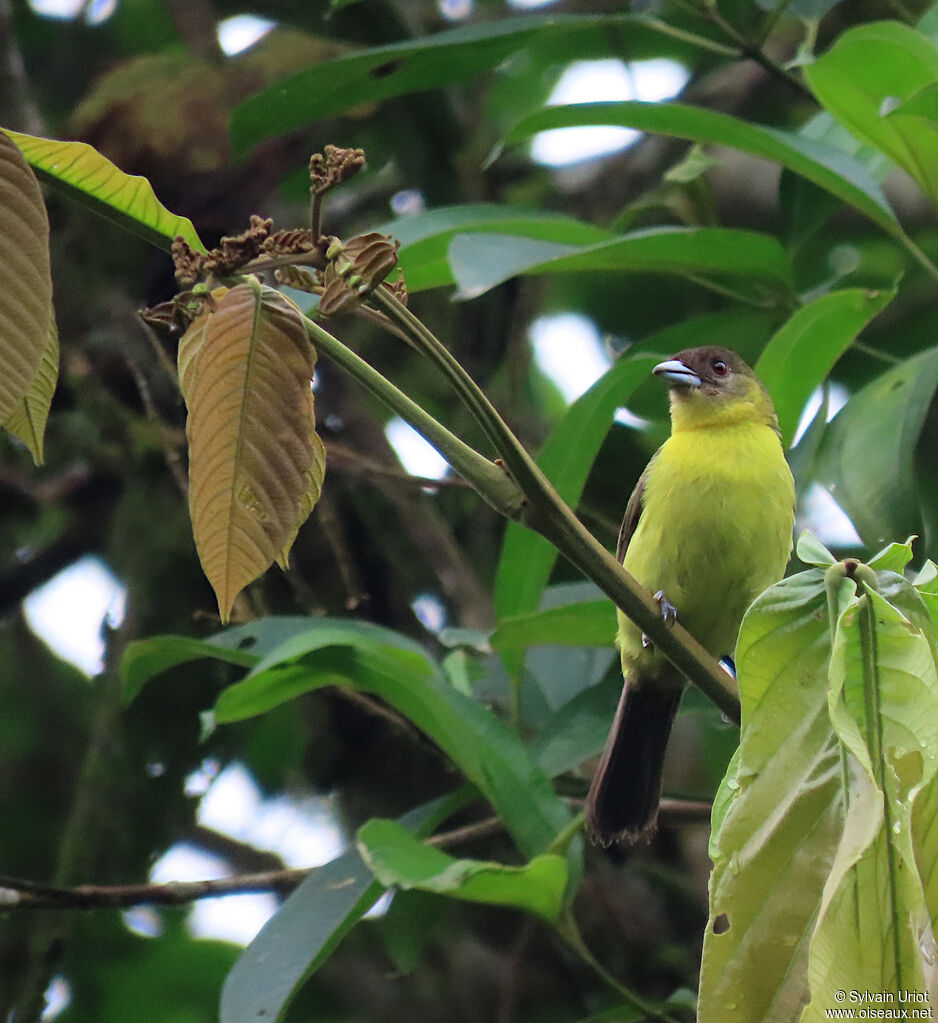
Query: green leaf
{"points": [[816, 884], [875, 931], [811, 551], [898, 64], [825, 166], [399, 860], [455, 55], [803, 352], [893, 558], [589, 624], [527, 558], [145, 658], [425, 237], [26, 297], [308, 927], [866, 456], [83, 175], [243, 645], [480, 262], [378, 661], [783, 819], [578, 729]]}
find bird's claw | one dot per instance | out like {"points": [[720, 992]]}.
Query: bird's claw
{"points": [[668, 615], [667, 609]]}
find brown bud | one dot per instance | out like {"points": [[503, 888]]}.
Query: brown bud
{"points": [[187, 261], [234, 251], [337, 294], [289, 243], [373, 256], [333, 166], [398, 288]]}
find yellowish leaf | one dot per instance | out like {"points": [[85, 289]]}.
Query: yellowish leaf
{"points": [[255, 462], [26, 296], [315, 477], [92, 180], [28, 420]]}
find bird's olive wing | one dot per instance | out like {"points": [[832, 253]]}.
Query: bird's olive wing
{"points": [[633, 512]]}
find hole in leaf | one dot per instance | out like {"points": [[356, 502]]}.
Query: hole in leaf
{"points": [[383, 70], [721, 924]]}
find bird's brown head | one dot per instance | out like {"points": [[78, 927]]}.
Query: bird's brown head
{"points": [[713, 386]]}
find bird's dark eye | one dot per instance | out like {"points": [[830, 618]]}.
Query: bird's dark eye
{"points": [[719, 368]]}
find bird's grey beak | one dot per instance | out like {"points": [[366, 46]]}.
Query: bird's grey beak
{"points": [[676, 374]]}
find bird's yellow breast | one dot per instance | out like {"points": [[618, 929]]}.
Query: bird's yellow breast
{"points": [[715, 530]]}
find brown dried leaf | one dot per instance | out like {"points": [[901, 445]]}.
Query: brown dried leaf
{"points": [[254, 456], [28, 421], [26, 296]]}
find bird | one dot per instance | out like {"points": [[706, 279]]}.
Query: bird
{"points": [[708, 527]]}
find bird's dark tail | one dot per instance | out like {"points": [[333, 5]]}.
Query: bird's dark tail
{"points": [[623, 800]]}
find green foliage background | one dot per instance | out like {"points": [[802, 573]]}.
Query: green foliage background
{"points": [[808, 249]]}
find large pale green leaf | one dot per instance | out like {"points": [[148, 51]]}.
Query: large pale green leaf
{"points": [[802, 353], [527, 558], [866, 455], [398, 860], [89, 178], [27, 422], [307, 928], [425, 237], [245, 372], [378, 661], [823, 876], [455, 55], [825, 166], [897, 63], [26, 296], [884, 704], [782, 818], [479, 262]]}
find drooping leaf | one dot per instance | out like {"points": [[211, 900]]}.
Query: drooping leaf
{"points": [[866, 455], [816, 884], [26, 296], [779, 813], [89, 178], [810, 342], [398, 860], [425, 237], [876, 931], [28, 421], [825, 166], [480, 262], [148, 657], [387, 664], [308, 927], [416, 65], [898, 63], [245, 372]]}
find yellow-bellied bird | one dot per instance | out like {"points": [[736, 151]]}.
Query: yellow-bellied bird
{"points": [[708, 527]]}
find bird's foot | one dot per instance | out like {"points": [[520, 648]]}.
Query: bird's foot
{"points": [[668, 614]]}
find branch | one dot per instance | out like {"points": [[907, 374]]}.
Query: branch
{"points": [[546, 513], [17, 893], [485, 476]]}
